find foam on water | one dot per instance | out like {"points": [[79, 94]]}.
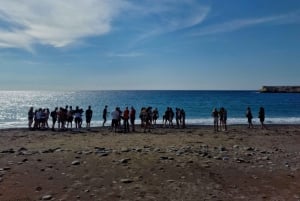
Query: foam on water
{"points": [[200, 121]]}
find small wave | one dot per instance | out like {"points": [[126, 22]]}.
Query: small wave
{"points": [[196, 121]]}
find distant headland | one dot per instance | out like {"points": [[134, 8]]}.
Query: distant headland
{"points": [[280, 89]]}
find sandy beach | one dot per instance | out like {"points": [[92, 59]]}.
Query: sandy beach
{"points": [[167, 164]]}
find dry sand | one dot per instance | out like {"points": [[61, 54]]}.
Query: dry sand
{"points": [[166, 164]]}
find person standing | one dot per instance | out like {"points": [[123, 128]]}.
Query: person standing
{"points": [[178, 117], [132, 118], [126, 120], [115, 115], [104, 115], [77, 115], [155, 116], [30, 117], [215, 115], [70, 117], [182, 117], [53, 115], [249, 117], [261, 116], [47, 118], [88, 117], [223, 119]]}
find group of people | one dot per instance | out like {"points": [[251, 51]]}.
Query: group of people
{"points": [[63, 117], [118, 115], [147, 115], [38, 118], [179, 117], [261, 116], [220, 118]]}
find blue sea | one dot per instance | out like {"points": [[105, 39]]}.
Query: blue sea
{"points": [[281, 108]]}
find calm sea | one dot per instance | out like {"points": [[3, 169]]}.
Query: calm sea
{"points": [[280, 108]]}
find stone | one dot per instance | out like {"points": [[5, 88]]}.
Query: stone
{"points": [[164, 158], [8, 151], [206, 166], [47, 197], [236, 146], [99, 148], [24, 160], [47, 151], [225, 158], [222, 148], [126, 181], [103, 154], [22, 149], [38, 188], [76, 163], [123, 149], [124, 160]]}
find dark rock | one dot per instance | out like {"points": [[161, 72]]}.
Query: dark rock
{"points": [[103, 154], [164, 158], [47, 151], [124, 160], [38, 188], [221, 148], [99, 149], [126, 181], [22, 149], [8, 151]]}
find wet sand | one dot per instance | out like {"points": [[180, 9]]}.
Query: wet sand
{"points": [[195, 163]]}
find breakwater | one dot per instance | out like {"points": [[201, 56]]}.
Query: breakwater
{"points": [[280, 89]]}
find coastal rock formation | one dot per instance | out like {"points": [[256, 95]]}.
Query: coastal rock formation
{"points": [[280, 89]]}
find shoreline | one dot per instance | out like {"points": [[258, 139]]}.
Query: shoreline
{"points": [[158, 126], [190, 122]]}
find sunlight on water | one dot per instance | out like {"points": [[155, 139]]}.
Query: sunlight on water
{"points": [[280, 108]]}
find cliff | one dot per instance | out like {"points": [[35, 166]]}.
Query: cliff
{"points": [[280, 89]]}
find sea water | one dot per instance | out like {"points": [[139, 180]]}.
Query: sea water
{"points": [[280, 108]]}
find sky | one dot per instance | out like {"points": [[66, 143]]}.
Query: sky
{"points": [[149, 44]]}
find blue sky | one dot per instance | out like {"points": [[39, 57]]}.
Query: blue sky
{"points": [[148, 44]]}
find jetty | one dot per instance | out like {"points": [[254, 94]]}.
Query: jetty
{"points": [[280, 89]]}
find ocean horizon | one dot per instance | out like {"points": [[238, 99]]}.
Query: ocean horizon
{"points": [[281, 108]]}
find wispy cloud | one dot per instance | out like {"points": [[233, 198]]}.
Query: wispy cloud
{"points": [[53, 22], [243, 23], [24, 23], [166, 16]]}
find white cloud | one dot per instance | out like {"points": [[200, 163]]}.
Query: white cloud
{"points": [[166, 16], [54, 22], [24, 23], [242, 23]]}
